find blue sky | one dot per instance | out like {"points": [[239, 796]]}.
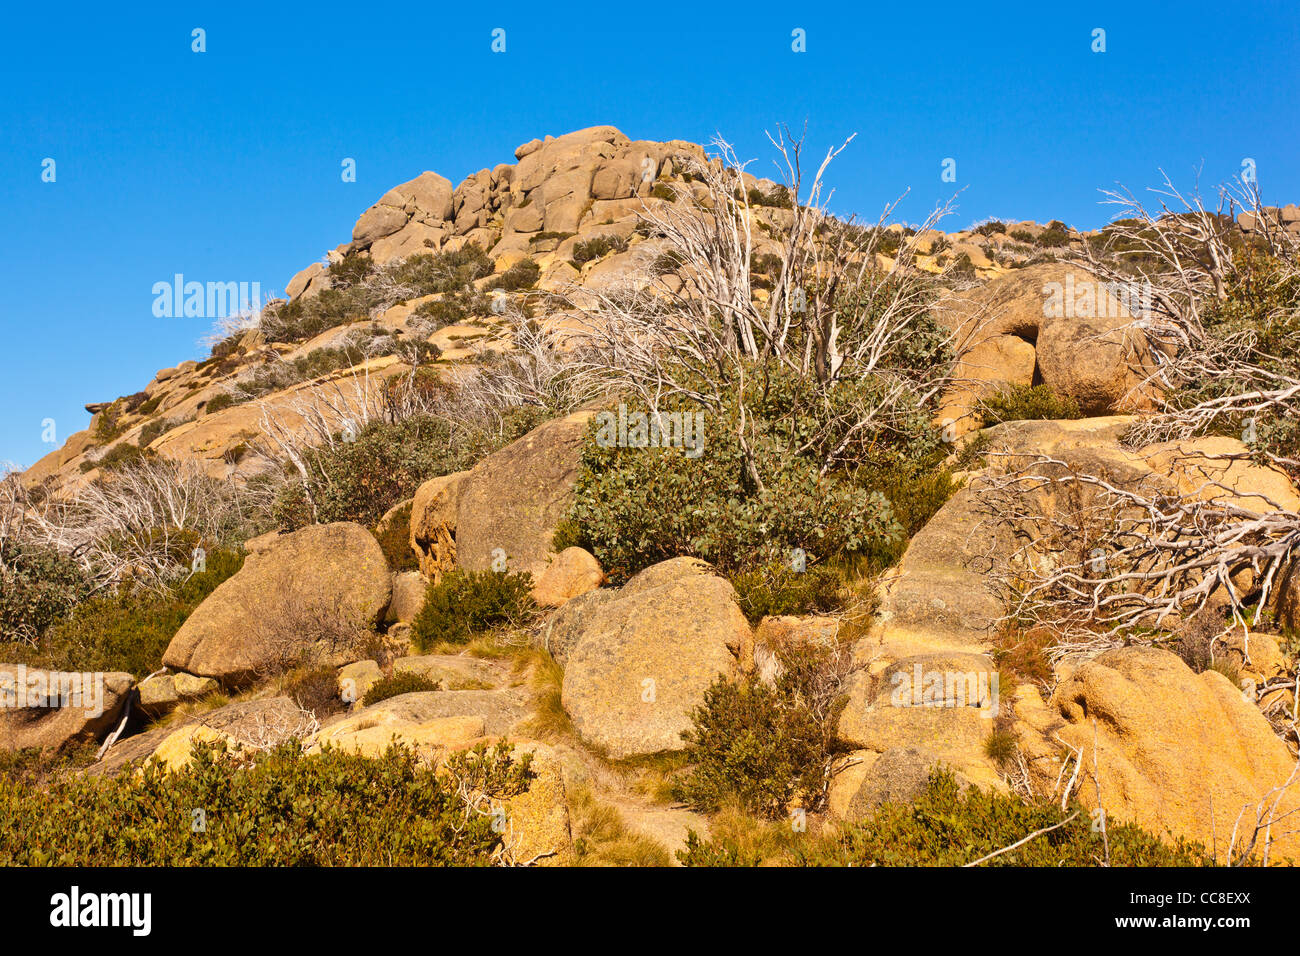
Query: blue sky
{"points": [[225, 165]]}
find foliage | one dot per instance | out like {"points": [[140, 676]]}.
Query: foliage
{"points": [[946, 826], [276, 808], [597, 247], [402, 682], [466, 603], [361, 480], [767, 747], [38, 585], [1054, 235], [126, 631], [394, 537], [1015, 403], [520, 276]]}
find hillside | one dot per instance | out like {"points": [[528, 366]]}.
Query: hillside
{"points": [[721, 511]]}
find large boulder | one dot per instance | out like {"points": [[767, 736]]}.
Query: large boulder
{"points": [[332, 572], [50, 709], [645, 657], [425, 199], [513, 500], [995, 362], [1173, 750]]}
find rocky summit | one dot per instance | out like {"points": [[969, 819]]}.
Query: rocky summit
{"points": [[642, 507]]}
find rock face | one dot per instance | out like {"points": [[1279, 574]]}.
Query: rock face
{"points": [[49, 709], [1175, 750], [645, 657], [328, 571], [513, 500], [898, 775], [163, 693]]}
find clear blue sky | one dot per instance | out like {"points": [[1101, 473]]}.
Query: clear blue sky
{"points": [[225, 165]]}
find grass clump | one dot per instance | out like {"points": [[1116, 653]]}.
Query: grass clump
{"points": [[1016, 403], [402, 682]]}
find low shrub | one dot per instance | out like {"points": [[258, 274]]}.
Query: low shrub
{"points": [[219, 402], [520, 276], [394, 537], [127, 631], [949, 826], [38, 585], [1014, 403], [315, 689], [467, 603], [276, 808], [362, 479], [768, 748], [597, 247], [1055, 235], [402, 682]]}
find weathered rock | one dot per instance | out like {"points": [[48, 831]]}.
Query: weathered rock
{"points": [[358, 735], [332, 572], [573, 572], [563, 629], [1175, 750], [513, 500], [356, 679], [899, 775], [163, 693], [247, 722], [1288, 599], [452, 671], [994, 362], [177, 748], [433, 523], [500, 710], [51, 709], [645, 658], [408, 597]]}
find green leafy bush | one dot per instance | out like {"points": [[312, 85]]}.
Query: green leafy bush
{"points": [[126, 631], [38, 585], [520, 276], [362, 479], [946, 826], [466, 603], [219, 402], [402, 682], [277, 808], [1056, 234], [394, 537], [1016, 403], [767, 748]]}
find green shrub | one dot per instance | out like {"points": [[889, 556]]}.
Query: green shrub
{"points": [[362, 479], [946, 826], [597, 247], [125, 631], [38, 585], [402, 682], [221, 400], [1054, 235], [1015, 403], [522, 275], [315, 689], [1022, 235], [991, 227], [123, 453], [781, 589], [466, 603], [766, 748], [394, 538], [277, 808], [664, 191]]}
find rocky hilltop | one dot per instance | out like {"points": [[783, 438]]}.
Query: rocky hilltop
{"points": [[430, 543]]}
